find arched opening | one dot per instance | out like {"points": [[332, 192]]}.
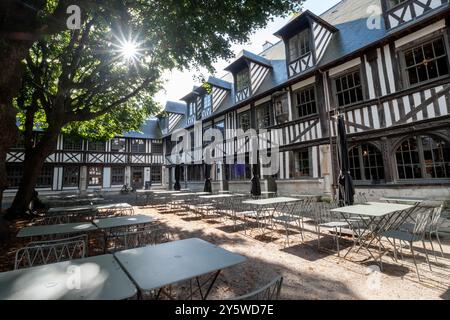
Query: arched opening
{"points": [[423, 157], [366, 163]]}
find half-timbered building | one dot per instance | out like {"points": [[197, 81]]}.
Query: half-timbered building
{"points": [[382, 64]]}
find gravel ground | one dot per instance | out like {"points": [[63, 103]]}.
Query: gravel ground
{"points": [[309, 273]]}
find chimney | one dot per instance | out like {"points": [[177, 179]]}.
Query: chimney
{"points": [[267, 45]]}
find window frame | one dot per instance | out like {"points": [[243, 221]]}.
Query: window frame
{"points": [[400, 51], [115, 175], [299, 54], [100, 184], [157, 152], [361, 165], [102, 144], [268, 106], [132, 145], [64, 184], [246, 72], [72, 149], [239, 116], [124, 145], [422, 162], [296, 106]]}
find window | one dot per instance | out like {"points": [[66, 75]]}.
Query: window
{"points": [[96, 146], [423, 157], [264, 116], [72, 143], [191, 108], [305, 101], [45, 179], [118, 145], [394, 3], [137, 146], [426, 62], [95, 176], [242, 80], [157, 148], [366, 163], [408, 160], [239, 172], [349, 89], [14, 173], [117, 176], [301, 164], [244, 120], [299, 45], [207, 101], [71, 176], [436, 155], [156, 174], [281, 106]]}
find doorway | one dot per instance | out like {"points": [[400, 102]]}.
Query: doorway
{"points": [[137, 177]]}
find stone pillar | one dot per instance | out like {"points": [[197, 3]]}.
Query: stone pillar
{"points": [[128, 176], [106, 177], [326, 168]]}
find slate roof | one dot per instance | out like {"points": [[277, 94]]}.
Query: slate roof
{"points": [[348, 20], [175, 107], [149, 130], [220, 83], [244, 54]]}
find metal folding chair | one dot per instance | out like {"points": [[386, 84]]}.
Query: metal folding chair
{"points": [[45, 252], [269, 292]]}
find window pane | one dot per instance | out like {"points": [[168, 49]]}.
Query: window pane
{"points": [[71, 176], [95, 175], [117, 176], [426, 62]]}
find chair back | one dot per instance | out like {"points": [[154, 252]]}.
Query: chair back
{"points": [[45, 252], [322, 213], [423, 220], [269, 292], [436, 218], [152, 235]]}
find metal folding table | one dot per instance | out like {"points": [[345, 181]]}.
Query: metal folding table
{"points": [[156, 267], [372, 219], [93, 278]]}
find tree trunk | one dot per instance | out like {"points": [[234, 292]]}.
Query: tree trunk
{"points": [[34, 161], [18, 23]]}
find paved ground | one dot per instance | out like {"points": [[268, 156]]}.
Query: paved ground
{"points": [[309, 273]]}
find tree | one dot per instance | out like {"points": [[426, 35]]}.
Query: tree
{"points": [[22, 23], [76, 76]]}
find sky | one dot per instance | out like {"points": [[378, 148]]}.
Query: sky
{"points": [[178, 84]]}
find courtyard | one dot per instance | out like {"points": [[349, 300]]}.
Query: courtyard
{"points": [[308, 272]]}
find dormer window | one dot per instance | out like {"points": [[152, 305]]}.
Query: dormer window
{"points": [[191, 109], [299, 45], [207, 105], [242, 80], [207, 101], [399, 12]]}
